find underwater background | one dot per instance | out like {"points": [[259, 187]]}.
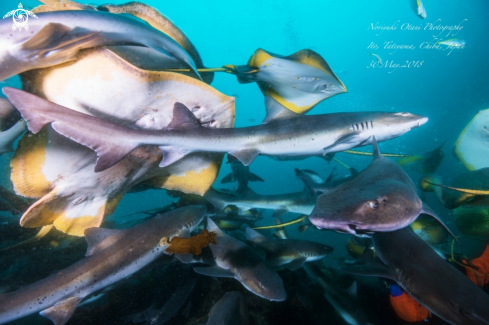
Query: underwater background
{"points": [[449, 88]]}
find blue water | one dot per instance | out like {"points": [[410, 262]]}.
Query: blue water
{"points": [[449, 88]]}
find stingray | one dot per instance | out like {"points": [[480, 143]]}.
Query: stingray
{"points": [[299, 81], [472, 146], [59, 172], [381, 198], [470, 189]]}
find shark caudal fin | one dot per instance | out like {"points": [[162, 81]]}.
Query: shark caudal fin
{"points": [[110, 141]]}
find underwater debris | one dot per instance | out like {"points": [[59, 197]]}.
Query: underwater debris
{"points": [[192, 245]]}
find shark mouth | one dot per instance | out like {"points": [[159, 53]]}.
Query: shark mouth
{"points": [[344, 228]]}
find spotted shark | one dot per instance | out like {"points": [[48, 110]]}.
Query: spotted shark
{"points": [[423, 274], [283, 132], [56, 37], [232, 258], [289, 253], [380, 198], [112, 255]]}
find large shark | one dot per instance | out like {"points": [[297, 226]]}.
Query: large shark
{"points": [[231, 309], [232, 258], [381, 198], [299, 202], [56, 37], [283, 132], [112, 255], [429, 279], [344, 301], [289, 253]]}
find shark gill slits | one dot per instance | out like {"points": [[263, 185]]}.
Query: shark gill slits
{"points": [[361, 123], [372, 124]]}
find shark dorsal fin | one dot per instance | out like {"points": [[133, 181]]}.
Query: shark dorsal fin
{"points": [[276, 111], [353, 171], [376, 151], [100, 238], [182, 118], [212, 227], [352, 289], [254, 236]]}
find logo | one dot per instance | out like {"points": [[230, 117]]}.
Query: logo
{"points": [[20, 17]]}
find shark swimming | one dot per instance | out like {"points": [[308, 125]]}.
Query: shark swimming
{"points": [[380, 198], [232, 258], [283, 132], [112, 255], [422, 273], [56, 37], [290, 253]]}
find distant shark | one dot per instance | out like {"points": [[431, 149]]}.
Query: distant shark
{"points": [[380, 198], [232, 258], [434, 283], [283, 132], [241, 174], [56, 37], [112, 255], [289, 253]]}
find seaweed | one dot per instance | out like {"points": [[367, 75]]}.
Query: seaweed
{"points": [[192, 245]]}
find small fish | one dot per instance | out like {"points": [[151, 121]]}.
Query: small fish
{"points": [[289, 253], [380, 198], [112, 255], [379, 60], [421, 10], [231, 309], [232, 258], [453, 42], [406, 259]]}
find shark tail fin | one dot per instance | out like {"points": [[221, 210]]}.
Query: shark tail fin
{"points": [[427, 210], [110, 141], [69, 214], [216, 199]]}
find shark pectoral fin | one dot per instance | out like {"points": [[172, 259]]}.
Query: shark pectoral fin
{"points": [[427, 210], [276, 111], [100, 238], [352, 289], [60, 43], [246, 156], [296, 264], [333, 174], [61, 312], [279, 212], [214, 271], [184, 258], [229, 178], [170, 155], [254, 178], [254, 236], [343, 139], [374, 268]]}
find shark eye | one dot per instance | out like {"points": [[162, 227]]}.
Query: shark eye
{"points": [[374, 204]]}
